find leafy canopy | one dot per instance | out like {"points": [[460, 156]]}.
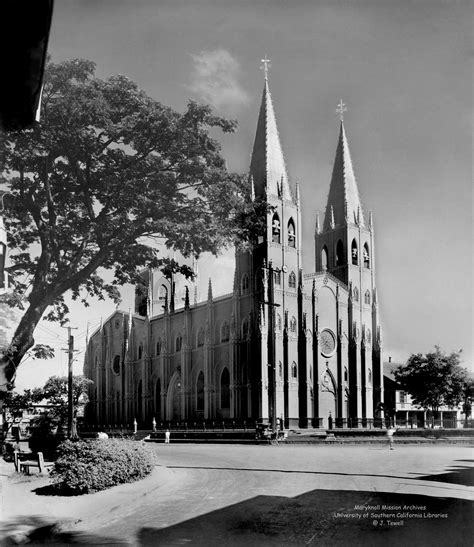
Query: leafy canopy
{"points": [[434, 379], [109, 170]]}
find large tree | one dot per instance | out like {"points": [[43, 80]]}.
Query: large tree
{"points": [[433, 379], [107, 169]]}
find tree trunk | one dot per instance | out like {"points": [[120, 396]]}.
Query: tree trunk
{"points": [[21, 342]]}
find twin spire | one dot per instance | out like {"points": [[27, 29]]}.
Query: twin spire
{"points": [[268, 175]]}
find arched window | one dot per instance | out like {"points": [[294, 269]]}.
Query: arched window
{"points": [[179, 343], [162, 293], [369, 377], [367, 297], [292, 280], [158, 398], [276, 229], [225, 388], [279, 322], [293, 324], [280, 369], [354, 253], [294, 370], [291, 234], [200, 338], [339, 253], [140, 351], [158, 347], [277, 277], [225, 332], [355, 294], [200, 392], [346, 374], [324, 258], [245, 329], [116, 365], [245, 282], [366, 256]]}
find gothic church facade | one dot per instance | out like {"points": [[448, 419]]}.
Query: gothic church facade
{"points": [[305, 345]]}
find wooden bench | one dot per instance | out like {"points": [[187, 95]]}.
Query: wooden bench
{"points": [[24, 460]]}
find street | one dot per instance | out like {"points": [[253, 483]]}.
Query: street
{"points": [[276, 495]]}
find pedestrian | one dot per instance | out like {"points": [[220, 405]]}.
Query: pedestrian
{"points": [[390, 433], [167, 436]]}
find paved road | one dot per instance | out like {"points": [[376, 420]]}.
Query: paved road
{"points": [[278, 495]]}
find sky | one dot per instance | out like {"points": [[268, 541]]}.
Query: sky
{"points": [[404, 71]]}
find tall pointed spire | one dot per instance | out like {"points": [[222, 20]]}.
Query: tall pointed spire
{"points": [[343, 193], [267, 166]]}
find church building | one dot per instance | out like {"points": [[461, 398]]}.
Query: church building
{"points": [[299, 343]]}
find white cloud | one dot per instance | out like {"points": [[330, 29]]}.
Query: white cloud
{"points": [[215, 79]]}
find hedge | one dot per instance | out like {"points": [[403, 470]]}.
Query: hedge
{"points": [[88, 466]]}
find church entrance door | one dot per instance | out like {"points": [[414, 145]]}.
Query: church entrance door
{"points": [[173, 400]]}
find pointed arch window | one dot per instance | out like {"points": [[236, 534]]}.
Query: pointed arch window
{"points": [[200, 392], [225, 388], [277, 277], [339, 253], [200, 338], [158, 398], [367, 297], [280, 369], [179, 343], [366, 256], [346, 374], [355, 294], [354, 253], [324, 258], [245, 329], [140, 351], [369, 377], [276, 229], [116, 365], [245, 283], [292, 280], [158, 347], [293, 324], [225, 332], [294, 370], [291, 233], [162, 293]]}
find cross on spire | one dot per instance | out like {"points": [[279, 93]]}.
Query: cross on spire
{"points": [[265, 66], [341, 108]]}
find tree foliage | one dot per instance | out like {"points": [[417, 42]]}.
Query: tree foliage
{"points": [[434, 379], [108, 170]]}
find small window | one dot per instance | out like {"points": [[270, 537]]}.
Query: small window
{"points": [[200, 392], [292, 280], [158, 347], [279, 322], [324, 258], [367, 297], [225, 332], [140, 351], [346, 374], [276, 229], [245, 283], [179, 343], [369, 377], [355, 294], [354, 253], [245, 329], [294, 370], [280, 369], [162, 293], [403, 397], [291, 234], [200, 338], [366, 256], [339, 253], [293, 324], [116, 365], [277, 277]]}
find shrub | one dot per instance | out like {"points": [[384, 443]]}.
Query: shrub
{"points": [[89, 466]]}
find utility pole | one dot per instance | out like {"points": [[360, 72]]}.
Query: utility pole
{"points": [[70, 406]]}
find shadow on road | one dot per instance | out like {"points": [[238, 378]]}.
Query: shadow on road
{"points": [[458, 475]]}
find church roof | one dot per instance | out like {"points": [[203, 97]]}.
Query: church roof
{"points": [[343, 193], [267, 166]]}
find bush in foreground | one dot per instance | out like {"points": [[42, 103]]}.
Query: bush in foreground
{"points": [[83, 467]]}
